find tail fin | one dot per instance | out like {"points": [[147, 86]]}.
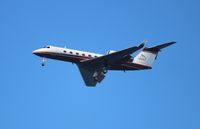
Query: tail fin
{"points": [[148, 55]]}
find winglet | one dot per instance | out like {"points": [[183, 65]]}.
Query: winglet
{"points": [[141, 45]]}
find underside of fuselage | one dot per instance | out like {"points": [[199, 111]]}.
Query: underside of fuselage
{"points": [[63, 57], [128, 66], [77, 59]]}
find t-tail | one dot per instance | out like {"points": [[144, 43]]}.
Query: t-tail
{"points": [[148, 55]]}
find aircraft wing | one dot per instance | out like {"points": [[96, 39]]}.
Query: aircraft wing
{"points": [[105, 60], [88, 76]]}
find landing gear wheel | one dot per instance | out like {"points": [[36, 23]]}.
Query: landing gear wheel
{"points": [[43, 61], [105, 71], [96, 78]]}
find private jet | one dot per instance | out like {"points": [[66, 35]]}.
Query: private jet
{"points": [[93, 66]]}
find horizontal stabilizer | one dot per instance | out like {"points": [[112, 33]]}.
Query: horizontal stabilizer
{"points": [[148, 55], [158, 48]]}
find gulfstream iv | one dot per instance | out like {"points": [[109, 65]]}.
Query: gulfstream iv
{"points": [[93, 66]]}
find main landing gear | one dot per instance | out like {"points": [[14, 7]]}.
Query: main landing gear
{"points": [[105, 71], [99, 75]]}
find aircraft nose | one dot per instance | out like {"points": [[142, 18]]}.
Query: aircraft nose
{"points": [[35, 52], [38, 52]]}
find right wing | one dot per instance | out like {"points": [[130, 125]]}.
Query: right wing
{"points": [[105, 60]]}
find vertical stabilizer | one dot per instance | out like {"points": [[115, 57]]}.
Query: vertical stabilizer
{"points": [[145, 58], [148, 55]]}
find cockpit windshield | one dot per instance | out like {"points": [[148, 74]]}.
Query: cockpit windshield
{"points": [[47, 46]]}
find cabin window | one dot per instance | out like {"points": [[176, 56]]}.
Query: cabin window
{"points": [[64, 51], [71, 52], [77, 53], [47, 47], [89, 55], [83, 54], [95, 56]]}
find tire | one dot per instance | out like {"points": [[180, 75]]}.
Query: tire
{"points": [[105, 71], [96, 78]]}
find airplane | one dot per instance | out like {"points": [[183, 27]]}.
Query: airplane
{"points": [[93, 66]]}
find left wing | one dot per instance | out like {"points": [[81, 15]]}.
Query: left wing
{"points": [[105, 60], [93, 70], [91, 76]]}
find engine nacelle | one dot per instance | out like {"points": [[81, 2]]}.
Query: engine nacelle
{"points": [[110, 51]]}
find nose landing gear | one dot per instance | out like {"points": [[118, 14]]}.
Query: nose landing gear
{"points": [[43, 62]]}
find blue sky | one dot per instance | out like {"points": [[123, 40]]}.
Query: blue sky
{"points": [[55, 97]]}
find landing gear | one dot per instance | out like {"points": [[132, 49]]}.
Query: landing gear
{"points": [[105, 71], [43, 61], [96, 78], [99, 75]]}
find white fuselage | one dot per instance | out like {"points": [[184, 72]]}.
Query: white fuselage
{"points": [[76, 56], [64, 54], [93, 67]]}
